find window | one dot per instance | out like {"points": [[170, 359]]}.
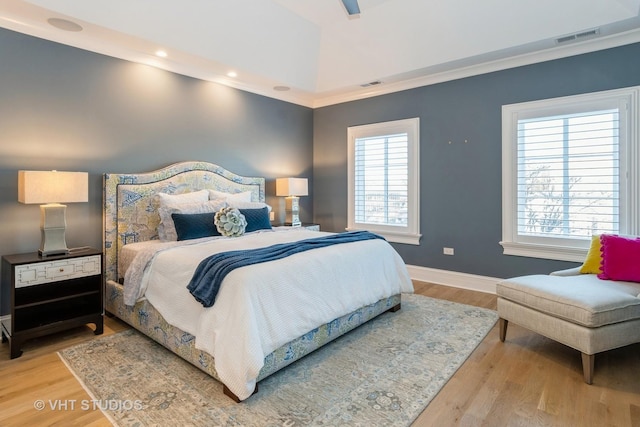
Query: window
{"points": [[383, 180], [569, 172]]}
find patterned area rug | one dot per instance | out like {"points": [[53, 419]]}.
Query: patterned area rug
{"points": [[381, 374]]}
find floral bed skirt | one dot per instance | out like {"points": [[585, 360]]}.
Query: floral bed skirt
{"points": [[146, 319]]}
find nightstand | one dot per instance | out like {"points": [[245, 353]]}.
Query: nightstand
{"points": [[42, 295]]}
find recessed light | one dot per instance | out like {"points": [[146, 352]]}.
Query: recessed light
{"points": [[281, 88], [161, 53], [232, 74], [64, 24]]}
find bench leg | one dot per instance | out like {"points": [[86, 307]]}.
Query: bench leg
{"points": [[588, 362], [503, 328]]}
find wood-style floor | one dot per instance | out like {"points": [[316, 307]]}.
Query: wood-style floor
{"points": [[526, 381]]}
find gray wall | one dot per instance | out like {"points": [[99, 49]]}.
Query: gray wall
{"points": [[68, 109], [460, 183]]}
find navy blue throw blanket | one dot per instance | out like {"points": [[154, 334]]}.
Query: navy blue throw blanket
{"points": [[206, 280]]}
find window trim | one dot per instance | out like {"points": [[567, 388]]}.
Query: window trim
{"points": [[411, 233], [627, 100]]}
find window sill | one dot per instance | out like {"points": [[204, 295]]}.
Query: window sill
{"points": [[531, 250], [405, 238]]}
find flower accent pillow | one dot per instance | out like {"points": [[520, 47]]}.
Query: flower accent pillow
{"points": [[230, 222]]}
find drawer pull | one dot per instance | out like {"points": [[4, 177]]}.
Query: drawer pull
{"points": [[61, 270]]}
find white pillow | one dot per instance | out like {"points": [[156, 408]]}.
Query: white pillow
{"points": [[245, 196], [169, 229], [166, 199]]}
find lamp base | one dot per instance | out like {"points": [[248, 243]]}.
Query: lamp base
{"points": [[291, 211], [52, 228], [53, 243]]}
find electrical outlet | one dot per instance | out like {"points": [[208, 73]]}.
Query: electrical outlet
{"points": [[447, 251], [272, 216]]}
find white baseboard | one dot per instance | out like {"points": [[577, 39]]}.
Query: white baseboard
{"points": [[453, 278]]}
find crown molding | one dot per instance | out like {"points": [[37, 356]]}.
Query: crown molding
{"points": [[137, 51], [558, 52]]}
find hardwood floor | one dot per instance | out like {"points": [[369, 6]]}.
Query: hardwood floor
{"points": [[530, 380], [526, 381]]}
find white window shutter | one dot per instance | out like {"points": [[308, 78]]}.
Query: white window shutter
{"points": [[384, 180]]}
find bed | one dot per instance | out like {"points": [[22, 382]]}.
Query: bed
{"points": [[241, 352]]}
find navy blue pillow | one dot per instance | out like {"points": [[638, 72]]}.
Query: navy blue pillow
{"points": [[257, 219], [194, 226]]}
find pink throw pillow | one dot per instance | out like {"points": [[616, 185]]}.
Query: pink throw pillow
{"points": [[620, 258]]}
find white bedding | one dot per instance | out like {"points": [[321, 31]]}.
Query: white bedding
{"points": [[262, 307]]}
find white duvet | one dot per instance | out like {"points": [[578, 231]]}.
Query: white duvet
{"points": [[262, 307]]}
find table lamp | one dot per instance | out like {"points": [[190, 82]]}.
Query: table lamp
{"points": [[292, 188], [50, 189]]}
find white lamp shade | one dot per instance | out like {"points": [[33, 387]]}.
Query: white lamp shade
{"points": [[38, 187], [292, 187]]}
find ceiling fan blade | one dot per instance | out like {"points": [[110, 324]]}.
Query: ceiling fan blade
{"points": [[351, 6]]}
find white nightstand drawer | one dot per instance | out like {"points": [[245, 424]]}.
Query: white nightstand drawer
{"points": [[54, 271]]}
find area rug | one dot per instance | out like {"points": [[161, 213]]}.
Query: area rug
{"points": [[384, 373]]}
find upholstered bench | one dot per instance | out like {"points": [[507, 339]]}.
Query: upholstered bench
{"points": [[579, 310]]}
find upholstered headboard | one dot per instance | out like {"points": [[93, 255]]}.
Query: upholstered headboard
{"points": [[130, 210]]}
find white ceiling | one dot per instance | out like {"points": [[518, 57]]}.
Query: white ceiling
{"points": [[314, 48]]}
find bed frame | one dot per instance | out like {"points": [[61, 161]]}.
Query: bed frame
{"points": [[130, 215]]}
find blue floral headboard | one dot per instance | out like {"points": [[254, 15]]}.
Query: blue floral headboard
{"points": [[130, 211]]}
